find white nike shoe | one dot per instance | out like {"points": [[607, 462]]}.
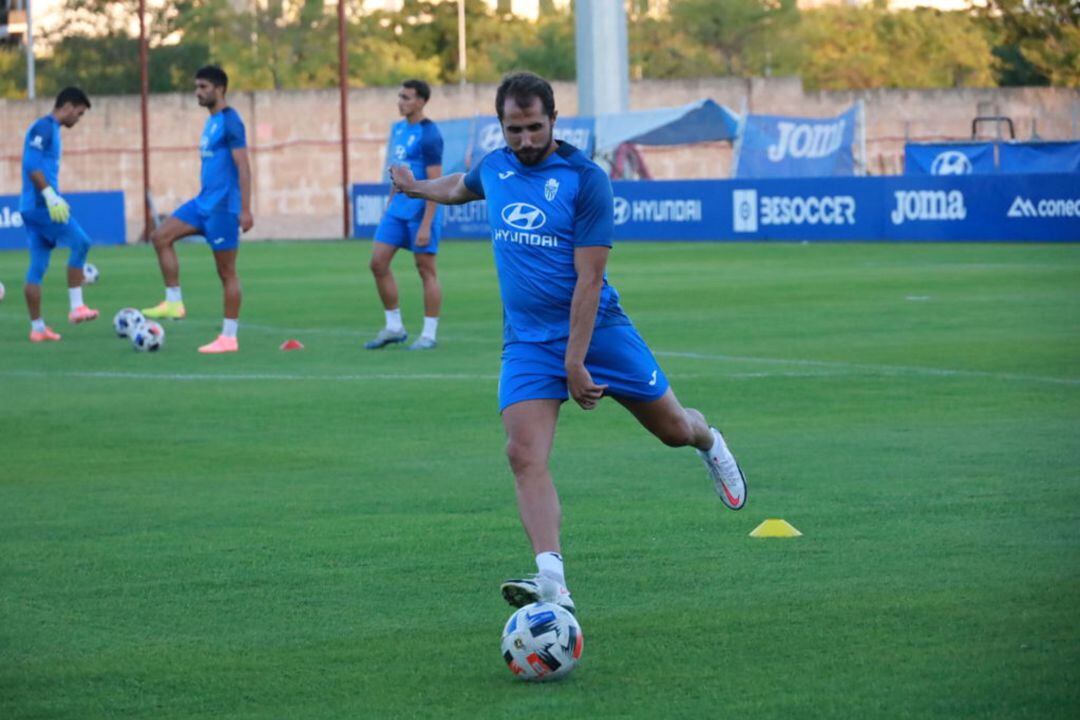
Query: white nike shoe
{"points": [[536, 588], [726, 474]]}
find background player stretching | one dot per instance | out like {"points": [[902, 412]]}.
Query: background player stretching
{"points": [[221, 209]]}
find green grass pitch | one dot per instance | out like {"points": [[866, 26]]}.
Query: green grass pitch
{"points": [[321, 534]]}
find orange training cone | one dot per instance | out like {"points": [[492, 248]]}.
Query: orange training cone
{"points": [[292, 345]]}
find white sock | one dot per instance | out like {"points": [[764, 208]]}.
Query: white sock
{"points": [[38, 325], [550, 564], [229, 326], [431, 324], [75, 296], [172, 294], [393, 320]]}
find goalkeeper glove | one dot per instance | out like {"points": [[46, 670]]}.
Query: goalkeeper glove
{"points": [[59, 210]]}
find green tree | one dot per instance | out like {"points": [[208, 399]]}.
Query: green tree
{"points": [[749, 37], [1038, 41], [12, 72], [867, 47]]}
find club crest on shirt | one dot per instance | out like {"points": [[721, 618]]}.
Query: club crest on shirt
{"points": [[550, 188]]}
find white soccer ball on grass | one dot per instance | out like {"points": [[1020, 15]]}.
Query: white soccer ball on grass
{"points": [[90, 274], [148, 336], [126, 320], [542, 642]]}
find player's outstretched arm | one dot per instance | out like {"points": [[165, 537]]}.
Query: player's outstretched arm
{"points": [[446, 190]]}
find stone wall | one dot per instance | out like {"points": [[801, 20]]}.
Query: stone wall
{"points": [[293, 136]]}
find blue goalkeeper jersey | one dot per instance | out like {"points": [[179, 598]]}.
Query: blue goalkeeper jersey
{"points": [[220, 180], [418, 145], [539, 214], [41, 151]]}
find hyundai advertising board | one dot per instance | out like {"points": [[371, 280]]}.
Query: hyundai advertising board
{"points": [[1044, 208]]}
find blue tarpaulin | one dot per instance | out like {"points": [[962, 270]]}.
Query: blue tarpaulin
{"points": [[702, 121]]}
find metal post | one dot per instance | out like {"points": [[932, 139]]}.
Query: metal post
{"points": [[31, 80], [144, 92], [461, 54], [603, 71], [343, 88]]}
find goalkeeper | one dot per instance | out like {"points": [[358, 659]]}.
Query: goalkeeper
{"points": [[47, 216]]}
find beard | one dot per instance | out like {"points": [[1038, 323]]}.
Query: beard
{"points": [[534, 155]]}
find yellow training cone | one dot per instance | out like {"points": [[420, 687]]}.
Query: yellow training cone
{"points": [[775, 527]]}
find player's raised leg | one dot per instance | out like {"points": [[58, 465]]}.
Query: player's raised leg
{"points": [[425, 265], [677, 426], [530, 434], [230, 284], [382, 254], [163, 238]]}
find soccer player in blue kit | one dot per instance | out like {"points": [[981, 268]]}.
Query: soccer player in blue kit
{"points": [[219, 212], [47, 216], [565, 334], [410, 224]]}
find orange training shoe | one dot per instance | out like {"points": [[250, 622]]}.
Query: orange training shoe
{"points": [[43, 336], [221, 345], [82, 314]]}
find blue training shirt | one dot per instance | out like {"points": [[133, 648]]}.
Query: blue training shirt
{"points": [[41, 151], [538, 215], [222, 133], [419, 146]]}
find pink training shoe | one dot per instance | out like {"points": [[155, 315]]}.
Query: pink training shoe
{"points": [[221, 345], [82, 314], [44, 336]]}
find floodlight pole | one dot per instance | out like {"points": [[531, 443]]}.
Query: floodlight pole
{"points": [[343, 89], [31, 82], [144, 91]]}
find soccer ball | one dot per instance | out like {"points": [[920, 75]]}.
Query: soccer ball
{"points": [[148, 336], [542, 641], [2, 292], [90, 274], [126, 320]]}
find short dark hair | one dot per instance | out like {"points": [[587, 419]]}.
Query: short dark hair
{"points": [[73, 95], [214, 74], [422, 88], [522, 87]]}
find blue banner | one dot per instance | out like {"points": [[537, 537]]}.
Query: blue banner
{"points": [[976, 158], [101, 215], [1040, 157], [774, 146], [487, 135], [1043, 208]]}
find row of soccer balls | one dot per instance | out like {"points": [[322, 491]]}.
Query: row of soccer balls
{"points": [[146, 335]]}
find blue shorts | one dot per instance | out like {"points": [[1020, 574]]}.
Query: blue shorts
{"points": [[45, 235], [401, 233], [221, 228], [617, 357]]}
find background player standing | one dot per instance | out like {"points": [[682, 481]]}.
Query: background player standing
{"points": [[220, 210], [47, 216], [565, 333], [410, 223]]}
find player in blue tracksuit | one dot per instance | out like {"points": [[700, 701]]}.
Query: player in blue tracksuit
{"points": [[408, 223], [47, 216], [565, 333], [219, 212]]}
